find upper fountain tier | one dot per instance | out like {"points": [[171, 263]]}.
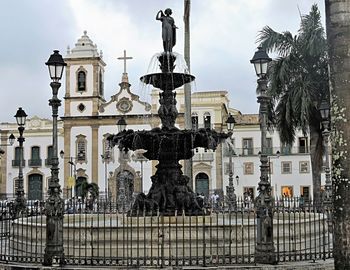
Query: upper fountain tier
{"points": [[167, 79]]}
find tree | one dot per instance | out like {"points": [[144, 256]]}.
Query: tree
{"points": [[298, 81], [91, 188], [338, 35]]}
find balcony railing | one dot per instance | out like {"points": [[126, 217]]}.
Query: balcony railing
{"points": [[48, 161], [271, 151], [203, 157], [15, 163], [198, 126], [34, 162]]}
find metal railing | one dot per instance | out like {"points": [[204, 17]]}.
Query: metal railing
{"points": [[203, 157], [48, 161], [15, 163], [34, 162], [270, 151], [98, 233]]}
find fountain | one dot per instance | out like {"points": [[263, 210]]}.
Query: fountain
{"points": [[169, 191], [161, 235]]}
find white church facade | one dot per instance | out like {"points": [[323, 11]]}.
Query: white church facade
{"points": [[90, 117]]}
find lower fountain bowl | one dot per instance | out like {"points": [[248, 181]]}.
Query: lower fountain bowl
{"points": [[167, 81]]}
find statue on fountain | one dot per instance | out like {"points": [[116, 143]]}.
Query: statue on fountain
{"points": [[168, 29], [168, 144]]}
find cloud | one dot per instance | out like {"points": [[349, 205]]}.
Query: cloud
{"points": [[223, 35]]}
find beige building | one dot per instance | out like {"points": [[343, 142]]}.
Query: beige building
{"points": [[90, 117]]}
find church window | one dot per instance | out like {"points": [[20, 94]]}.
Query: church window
{"points": [[81, 81], [81, 146], [81, 107]]}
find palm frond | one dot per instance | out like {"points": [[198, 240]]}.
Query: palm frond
{"points": [[274, 41], [285, 119]]}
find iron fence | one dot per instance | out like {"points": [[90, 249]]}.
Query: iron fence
{"points": [[102, 233]]}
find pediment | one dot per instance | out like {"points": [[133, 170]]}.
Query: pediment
{"points": [[202, 166], [125, 102]]}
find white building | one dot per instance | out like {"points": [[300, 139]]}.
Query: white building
{"points": [[89, 117]]}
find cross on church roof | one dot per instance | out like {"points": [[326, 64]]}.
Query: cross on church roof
{"points": [[124, 58]]}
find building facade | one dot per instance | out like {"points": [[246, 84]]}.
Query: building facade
{"points": [[90, 117]]}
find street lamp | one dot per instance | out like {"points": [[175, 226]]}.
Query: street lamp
{"points": [[324, 111], [54, 204], [11, 139], [230, 189], [20, 202], [264, 249], [121, 124], [105, 158]]}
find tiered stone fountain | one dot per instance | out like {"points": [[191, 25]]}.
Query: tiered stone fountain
{"points": [[169, 191]]}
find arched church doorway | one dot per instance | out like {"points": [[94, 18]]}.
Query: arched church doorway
{"points": [[202, 184], [35, 187]]}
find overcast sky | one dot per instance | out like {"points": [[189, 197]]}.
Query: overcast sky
{"points": [[223, 35]]}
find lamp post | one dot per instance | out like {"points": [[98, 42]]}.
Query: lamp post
{"points": [[73, 165], [11, 139], [105, 159], [20, 202], [324, 111], [230, 189], [264, 249], [121, 125], [278, 153], [54, 204]]}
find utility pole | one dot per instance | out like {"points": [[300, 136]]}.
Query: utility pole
{"points": [[187, 86]]}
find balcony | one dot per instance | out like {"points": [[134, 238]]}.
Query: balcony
{"points": [[34, 162], [270, 151], [198, 126], [48, 161], [207, 157], [15, 163]]}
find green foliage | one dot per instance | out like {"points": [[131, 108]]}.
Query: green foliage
{"points": [[298, 77], [89, 187]]}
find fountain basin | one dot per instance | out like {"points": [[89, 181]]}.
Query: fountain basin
{"points": [[167, 81], [165, 144], [119, 237]]}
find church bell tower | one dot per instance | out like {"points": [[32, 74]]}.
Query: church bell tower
{"points": [[84, 79]]}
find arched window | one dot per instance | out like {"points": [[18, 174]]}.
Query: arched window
{"points": [[81, 81], [35, 157], [207, 120], [194, 119], [202, 184], [81, 146]]}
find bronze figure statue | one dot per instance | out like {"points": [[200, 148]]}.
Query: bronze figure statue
{"points": [[168, 29]]}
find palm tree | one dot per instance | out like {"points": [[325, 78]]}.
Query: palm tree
{"points": [[338, 34], [298, 82], [91, 188]]}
